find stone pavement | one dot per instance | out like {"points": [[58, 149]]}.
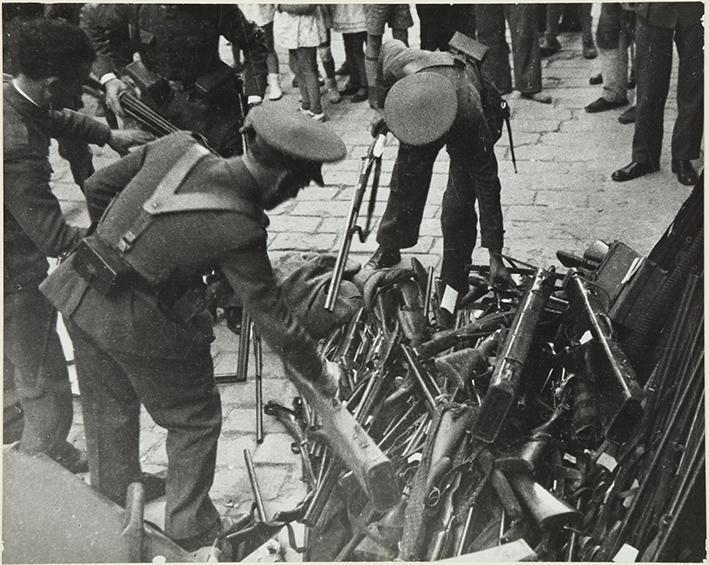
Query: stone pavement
{"points": [[561, 198]]}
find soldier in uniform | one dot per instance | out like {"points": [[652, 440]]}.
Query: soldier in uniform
{"points": [[431, 100], [180, 44], [140, 329], [52, 60]]}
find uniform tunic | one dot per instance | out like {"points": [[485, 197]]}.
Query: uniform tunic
{"points": [[181, 44], [149, 355], [35, 228], [472, 173]]}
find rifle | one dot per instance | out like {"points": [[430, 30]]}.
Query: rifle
{"points": [[507, 376], [351, 443], [610, 359], [141, 112], [373, 158]]}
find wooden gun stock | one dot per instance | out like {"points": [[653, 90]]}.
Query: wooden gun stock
{"points": [[351, 443]]}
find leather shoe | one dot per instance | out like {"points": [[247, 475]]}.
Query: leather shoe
{"points": [[349, 89], [632, 171], [383, 258], [602, 105], [596, 79], [628, 117], [685, 171]]}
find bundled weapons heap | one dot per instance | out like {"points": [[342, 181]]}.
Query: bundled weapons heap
{"points": [[560, 420]]}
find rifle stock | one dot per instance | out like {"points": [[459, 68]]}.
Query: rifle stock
{"points": [[351, 443], [373, 158]]}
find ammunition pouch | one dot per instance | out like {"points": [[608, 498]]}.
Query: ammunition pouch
{"points": [[100, 266]]}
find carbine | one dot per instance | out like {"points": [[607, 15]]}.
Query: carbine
{"points": [[373, 159]]}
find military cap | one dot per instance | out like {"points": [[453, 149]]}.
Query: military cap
{"points": [[297, 137], [421, 108]]}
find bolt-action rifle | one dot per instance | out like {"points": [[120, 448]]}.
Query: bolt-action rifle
{"points": [[373, 159]]}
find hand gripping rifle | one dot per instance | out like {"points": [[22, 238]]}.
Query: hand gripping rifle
{"points": [[373, 159], [141, 112]]}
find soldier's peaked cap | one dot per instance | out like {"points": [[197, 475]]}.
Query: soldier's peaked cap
{"points": [[421, 108], [295, 135]]}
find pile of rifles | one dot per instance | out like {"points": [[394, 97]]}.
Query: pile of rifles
{"points": [[560, 420]]}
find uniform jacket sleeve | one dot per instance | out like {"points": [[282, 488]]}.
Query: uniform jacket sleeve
{"points": [[248, 36], [29, 198], [249, 273], [108, 28], [104, 184], [67, 123]]}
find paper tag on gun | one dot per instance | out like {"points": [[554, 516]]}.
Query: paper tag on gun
{"points": [[450, 295]]}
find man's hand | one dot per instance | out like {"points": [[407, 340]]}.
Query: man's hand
{"points": [[500, 277], [122, 139], [378, 124], [114, 87]]}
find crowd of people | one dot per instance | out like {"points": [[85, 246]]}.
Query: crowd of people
{"points": [[131, 286]]}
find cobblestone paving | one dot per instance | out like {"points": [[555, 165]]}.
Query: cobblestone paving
{"points": [[561, 198]]}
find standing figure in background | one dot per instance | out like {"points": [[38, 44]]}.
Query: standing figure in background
{"points": [[325, 54], [438, 23], [178, 45], [490, 21], [51, 60], [349, 19], [300, 28], [398, 17], [262, 15], [550, 43], [616, 28], [658, 24]]}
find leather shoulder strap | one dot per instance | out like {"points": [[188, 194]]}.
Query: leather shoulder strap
{"points": [[163, 193]]}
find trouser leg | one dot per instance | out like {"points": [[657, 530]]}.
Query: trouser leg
{"points": [[410, 181], [371, 54], [490, 21], [111, 413], [688, 129], [32, 345], [458, 224], [181, 396], [525, 48], [654, 64], [614, 67]]}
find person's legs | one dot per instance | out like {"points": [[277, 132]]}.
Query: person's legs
{"points": [[111, 413], [328, 64], [550, 43], [294, 62], [357, 84], [308, 76], [410, 181], [400, 21], [490, 21], [458, 224], [182, 397], [32, 345], [687, 133], [654, 64], [614, 68], [374, 46], [274, 77], [525, 51], [589, 47], [402, 34]]}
